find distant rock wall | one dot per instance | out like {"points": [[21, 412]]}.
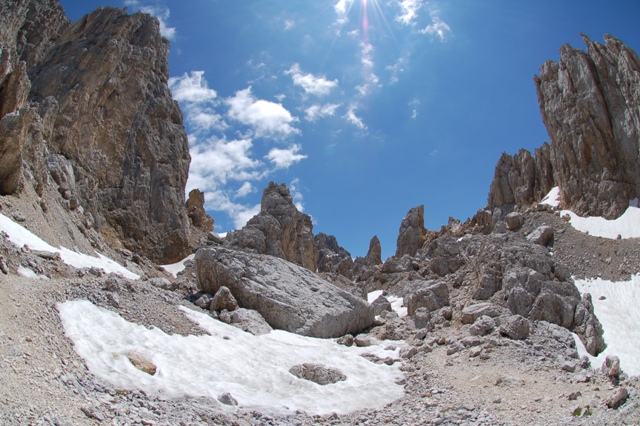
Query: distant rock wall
{"points": [[96, 93], [590, 104]]}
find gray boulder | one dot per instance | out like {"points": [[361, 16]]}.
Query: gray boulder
{"points": [[482, 326], [288, 296], [432, 295], [381, 304], [514, 220], [223, 299], [250, 321], [515, 327], [542, 235], [472, 312]]}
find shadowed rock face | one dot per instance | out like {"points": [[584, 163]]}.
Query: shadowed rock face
{"points": [[99, 97], [590, 104], [278, 230]]}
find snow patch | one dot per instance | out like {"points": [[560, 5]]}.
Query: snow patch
{"points": [[21, 236], [552, 198], [617, 306], [254, 369], [177, 267], [396, 302], [627, 225], [30, 273]]}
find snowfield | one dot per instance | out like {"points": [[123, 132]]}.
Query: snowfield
{"points": [[617, 306], [21, 236], [254, 369]]}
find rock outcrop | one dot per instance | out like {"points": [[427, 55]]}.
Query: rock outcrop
{"points": [[590, 104], [288, 296], [278, 230], [93, 98], [332, 257], [412, 234], [195, 210], [113, 117]]}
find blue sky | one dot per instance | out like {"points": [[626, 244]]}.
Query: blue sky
{"points": [[364, 108]]}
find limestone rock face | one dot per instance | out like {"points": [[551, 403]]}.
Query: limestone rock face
{"points": [[332, 257], [195, 210], [521, 179], [590, 103], [412, 235], [278, 230], [288, 296], [114, 119], [374, 254]]}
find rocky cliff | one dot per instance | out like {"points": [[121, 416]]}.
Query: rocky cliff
{"points": [[589, 102], [95, 95]]}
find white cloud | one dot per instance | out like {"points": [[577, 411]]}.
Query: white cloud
{"points": [[240, 214], [371, 80], [319, 111], [246, 189], [285, 158], [408, 12], [162, 14], [296, 195], [217, 161], [191, 87], [288, 24], [352, 118], [318, 86], [396, 69], [438, 28], [413, 104], [266, 118], [197, 101], [342, 9]]}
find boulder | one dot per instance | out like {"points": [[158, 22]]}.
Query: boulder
{"points": [[278, 230], [471, 313], [250, 321], [542, 235], [617, 397], [381, 304], [514, 221], [482, 326], [515, 327], [288, 296], [223, 299], [432, 295]]}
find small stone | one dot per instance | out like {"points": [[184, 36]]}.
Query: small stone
{"points": [[362, 342], [617, 398], [317, 373], [227, 399], [573, 396], [346, 340], [141, 363], [223, 299]]}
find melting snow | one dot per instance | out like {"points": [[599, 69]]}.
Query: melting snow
{"points": [[20, 236], [254, 369], [177, 267], [627, 225], [30, 273], [552, 198], [617, 306], [396, 302]]}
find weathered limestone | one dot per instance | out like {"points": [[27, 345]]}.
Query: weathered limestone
{"points": [[288, 296]]}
